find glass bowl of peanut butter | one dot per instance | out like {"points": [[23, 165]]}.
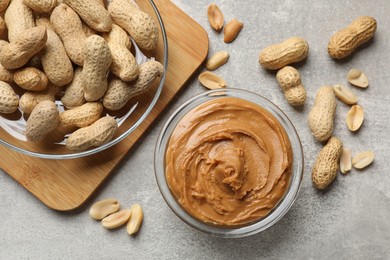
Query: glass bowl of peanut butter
{"points": [[229, 163]]}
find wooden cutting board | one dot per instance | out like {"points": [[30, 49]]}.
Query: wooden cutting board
{"points": [[66, 184]]}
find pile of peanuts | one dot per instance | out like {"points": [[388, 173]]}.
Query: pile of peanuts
{"points": [[343, 43], [73, 47], [279, 57]]}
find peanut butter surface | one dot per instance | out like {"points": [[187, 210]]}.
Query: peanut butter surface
{"points": [[228, 162]]}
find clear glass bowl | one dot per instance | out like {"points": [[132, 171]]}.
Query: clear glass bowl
{"points": [[129, 118], [297, 165]]}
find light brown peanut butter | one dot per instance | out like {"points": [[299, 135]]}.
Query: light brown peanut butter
{"points": [[228, 162]]}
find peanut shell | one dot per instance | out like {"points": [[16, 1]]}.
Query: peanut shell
{"points": [[327, 163], [119, 92], [41, 6], [55, 61], [68, 26], [81, 116], [43, 119], [74, 92], [344, 42], [97, 134], [31, 98], [321, 116], [31, 78], [9, 100], [5, 75], [19, 51], [277, 56], [97, 61], [18, 17], [289, 80], [93, 13], [140, 25], [123, 63]]}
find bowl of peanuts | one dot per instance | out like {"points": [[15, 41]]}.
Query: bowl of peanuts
{"points": [[78, 77]]}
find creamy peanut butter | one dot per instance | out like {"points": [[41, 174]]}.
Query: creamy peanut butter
{"points": [[228, 162]]}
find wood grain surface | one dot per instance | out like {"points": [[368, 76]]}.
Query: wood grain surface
{"points": [[66, 184]]}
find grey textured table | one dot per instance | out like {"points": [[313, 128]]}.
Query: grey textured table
{"points": [[351, 220]]}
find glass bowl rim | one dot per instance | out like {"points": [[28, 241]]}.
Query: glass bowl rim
{"points": [[128, 131], [283, 205]]}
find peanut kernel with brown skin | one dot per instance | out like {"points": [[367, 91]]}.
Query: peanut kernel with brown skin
{"points": [[215, 16], [231, 30]]}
